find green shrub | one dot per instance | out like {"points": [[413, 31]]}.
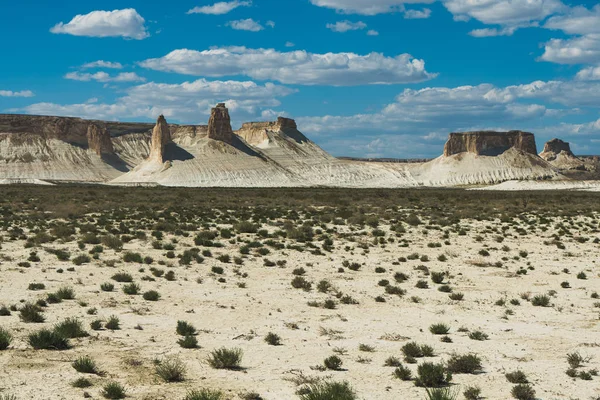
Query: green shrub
{"points": [[328, 391], [122, 277], [151, 295], [300, 283], [439, 329], [437, 277], [472, 393], [273, 339], [464, 364], [185, 329], [523, 392], [516, 377], [113, 323], [333, 362], [66, 293], [403, 373], [113, 390], [540, 301], [81, 383], [224, 358], [204, 394], [441, 394], [130, 257], [171, 370], [70, 328], [85, 365], [81, 259], [31, 313], [107, 287], [45, 339], [188, 342], [131, 289], [36, 286], [478, 335], [96, 324], [432, 375], [5, 339]]}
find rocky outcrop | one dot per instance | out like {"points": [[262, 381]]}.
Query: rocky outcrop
{"points": [[99, 140], [161, 136], [489, 143], [256, 133], [558, 153], [553, 148], [219, 124]]}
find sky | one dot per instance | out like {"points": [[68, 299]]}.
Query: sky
{"points": [[362, 78]]}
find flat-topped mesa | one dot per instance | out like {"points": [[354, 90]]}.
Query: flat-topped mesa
{"points": [[255, 133], [161, 136], [489, 143], [99, 140], [554, 147], [219, 124]]}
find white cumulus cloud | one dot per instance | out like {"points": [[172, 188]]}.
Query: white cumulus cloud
{"points": [[102, 76], [345, 26], [102, 64], [125, 23], [246, 25], [22, 93], [294, 67], [367, 7], [220, 8], [417, 14]]}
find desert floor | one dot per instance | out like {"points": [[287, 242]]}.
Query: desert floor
{"points": [[499, 259]]}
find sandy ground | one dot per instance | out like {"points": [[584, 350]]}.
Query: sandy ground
{"points": [[533, 339]]}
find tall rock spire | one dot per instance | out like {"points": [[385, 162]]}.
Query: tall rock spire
{"points": [[161, 136], [219, 124]]}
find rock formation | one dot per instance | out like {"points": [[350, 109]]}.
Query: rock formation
{"points": [[553, 148], [255, 133], [99, 140], [219, 124], [489, 143], [558, 153], [161, 136]]}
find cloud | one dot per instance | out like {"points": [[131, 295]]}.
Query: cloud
{"points": [[490, 32], [417, 14], [102, 64], [372, 32], [22, 93], [270, 24], [418, 119], [104, 77], [295, 67], [246, 25], [515, 13], [187, 102], [345, 26], [577, 50], [367, 7], [125, 23], [578, 21], [220, 8], [289, 44], [589, 74]]}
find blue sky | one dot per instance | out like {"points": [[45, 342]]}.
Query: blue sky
{"points": [[366, 78]]}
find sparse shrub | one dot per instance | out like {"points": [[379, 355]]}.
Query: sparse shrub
{"points": [[151, 295], [85, 365], [273, 339], [441, 394], [45, 339], [432, 375], [81, 259], [113, 390], [113, 323], [70, 328], [540, 300], [5, 339], [204, 394], [185, 329], [464, 364], [328, 391], [122, 277], [575, 360], [516, 377], [81, 383], [66, 293], [300, 283], [130, 257], [439, 329], [437, 277], [131, 289], [171, 369], [403, 373], [36, 286], [392, 361], [523, 392], [224, 358], [107, 287], [333, 363], [31, 313], [478, 335], [188, 342], [96, 324], [456, 296], [472, 393]]}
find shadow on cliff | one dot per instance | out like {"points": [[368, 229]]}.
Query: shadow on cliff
{"points": [[116, 162], [296, 135], [175, 153], [240, 145], [494, 151]]}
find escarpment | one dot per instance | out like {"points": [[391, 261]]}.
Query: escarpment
{"points": [[489, 143], [219, 124]]}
